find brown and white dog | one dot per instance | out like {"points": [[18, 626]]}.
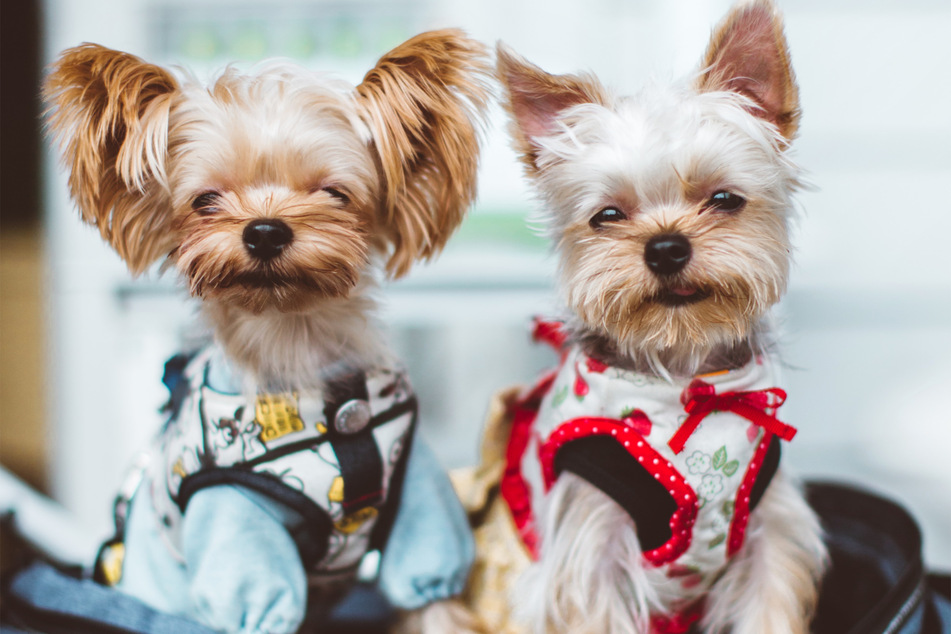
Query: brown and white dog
{"points": [[634, 480], [281, 197]]}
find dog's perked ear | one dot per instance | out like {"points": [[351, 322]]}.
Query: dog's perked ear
{"points": [[110, 113], [748, 54], [535, 98], [425, 103]]}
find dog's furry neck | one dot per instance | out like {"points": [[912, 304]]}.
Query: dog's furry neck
{"points": [[672, 363], [301, 350]]}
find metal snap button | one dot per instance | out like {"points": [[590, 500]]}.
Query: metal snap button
{"points": [[352, 417]]}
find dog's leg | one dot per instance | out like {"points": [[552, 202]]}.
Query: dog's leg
{"points": [[772, 585], [590, 577]]}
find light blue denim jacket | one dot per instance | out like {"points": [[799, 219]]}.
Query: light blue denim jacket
{"points": [[427, 557], [244, 572]]}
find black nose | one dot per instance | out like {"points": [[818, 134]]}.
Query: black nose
{"points": [[265, 239], [667, 254]]}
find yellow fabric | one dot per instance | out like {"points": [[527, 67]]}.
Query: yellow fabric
{"points": [[278, 415], [110, 563], [500, 555]]}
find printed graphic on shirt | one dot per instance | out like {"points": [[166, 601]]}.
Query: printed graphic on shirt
{"points": [[712, 459], [277, 415], [285, 437], [231, 429]]}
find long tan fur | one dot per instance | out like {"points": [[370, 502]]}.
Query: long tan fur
{"points": [[280, 196], [419, 101], [110, 112], [382, 171]]}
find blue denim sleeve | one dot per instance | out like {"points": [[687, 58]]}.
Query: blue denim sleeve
{"points": [[430, 549], [244, 571]]}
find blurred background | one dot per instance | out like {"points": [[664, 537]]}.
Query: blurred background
{"points": [[867, 321]]}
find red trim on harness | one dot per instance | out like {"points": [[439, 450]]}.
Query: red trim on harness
{"points": [[681, 522], [700, 399], [513, 488], [679, 623], [741, 509]]}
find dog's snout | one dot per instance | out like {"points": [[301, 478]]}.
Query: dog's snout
{"points": [[667, 254], [265, 239]]}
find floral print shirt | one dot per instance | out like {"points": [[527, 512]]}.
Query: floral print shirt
{"points": [[704, 440]]}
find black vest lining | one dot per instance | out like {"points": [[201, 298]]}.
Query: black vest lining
{"points": [[766, 472], [604, 463], [313, 536], [607, 465]]}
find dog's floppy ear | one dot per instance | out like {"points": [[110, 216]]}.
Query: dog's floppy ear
{"points": [[534, 99], [748, 54], [110, 113], [424, 103]]}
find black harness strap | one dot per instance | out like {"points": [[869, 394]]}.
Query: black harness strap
{"points": [[361, 465], [766, 472]]}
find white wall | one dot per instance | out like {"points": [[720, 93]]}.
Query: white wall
{"points": [[867, 324]]}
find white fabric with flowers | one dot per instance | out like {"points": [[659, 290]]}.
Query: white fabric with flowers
{"points": [[709, 477]]}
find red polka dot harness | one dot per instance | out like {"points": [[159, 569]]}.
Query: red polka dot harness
{"points": [[704, 445]]}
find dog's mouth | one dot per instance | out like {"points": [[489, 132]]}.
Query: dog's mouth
{"points": [[680, 296], [266, 280]]}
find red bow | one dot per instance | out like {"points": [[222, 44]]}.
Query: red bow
{"points": [[700, 399], [551, 332]]}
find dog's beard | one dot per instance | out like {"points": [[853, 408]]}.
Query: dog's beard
{"points": [[256, 292], [645, 323], [717, 302], [319, 265]]}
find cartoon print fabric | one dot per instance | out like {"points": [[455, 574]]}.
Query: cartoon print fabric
{"points": [[330, 455], [710, 478]]}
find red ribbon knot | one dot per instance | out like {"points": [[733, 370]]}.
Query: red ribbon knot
{"points": [[759, 407], [551, 332]]}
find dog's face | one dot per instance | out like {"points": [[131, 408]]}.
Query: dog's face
{"points": [[669, 209], [273, 190]]}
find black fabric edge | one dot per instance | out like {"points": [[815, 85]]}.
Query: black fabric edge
{"points": [[856, 504], [608, 466], [766, 472], [940, 584]]}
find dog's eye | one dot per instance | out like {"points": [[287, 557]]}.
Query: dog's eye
{"points": [[207, 203], [606, 215], [339, 195], [725, 201]]}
